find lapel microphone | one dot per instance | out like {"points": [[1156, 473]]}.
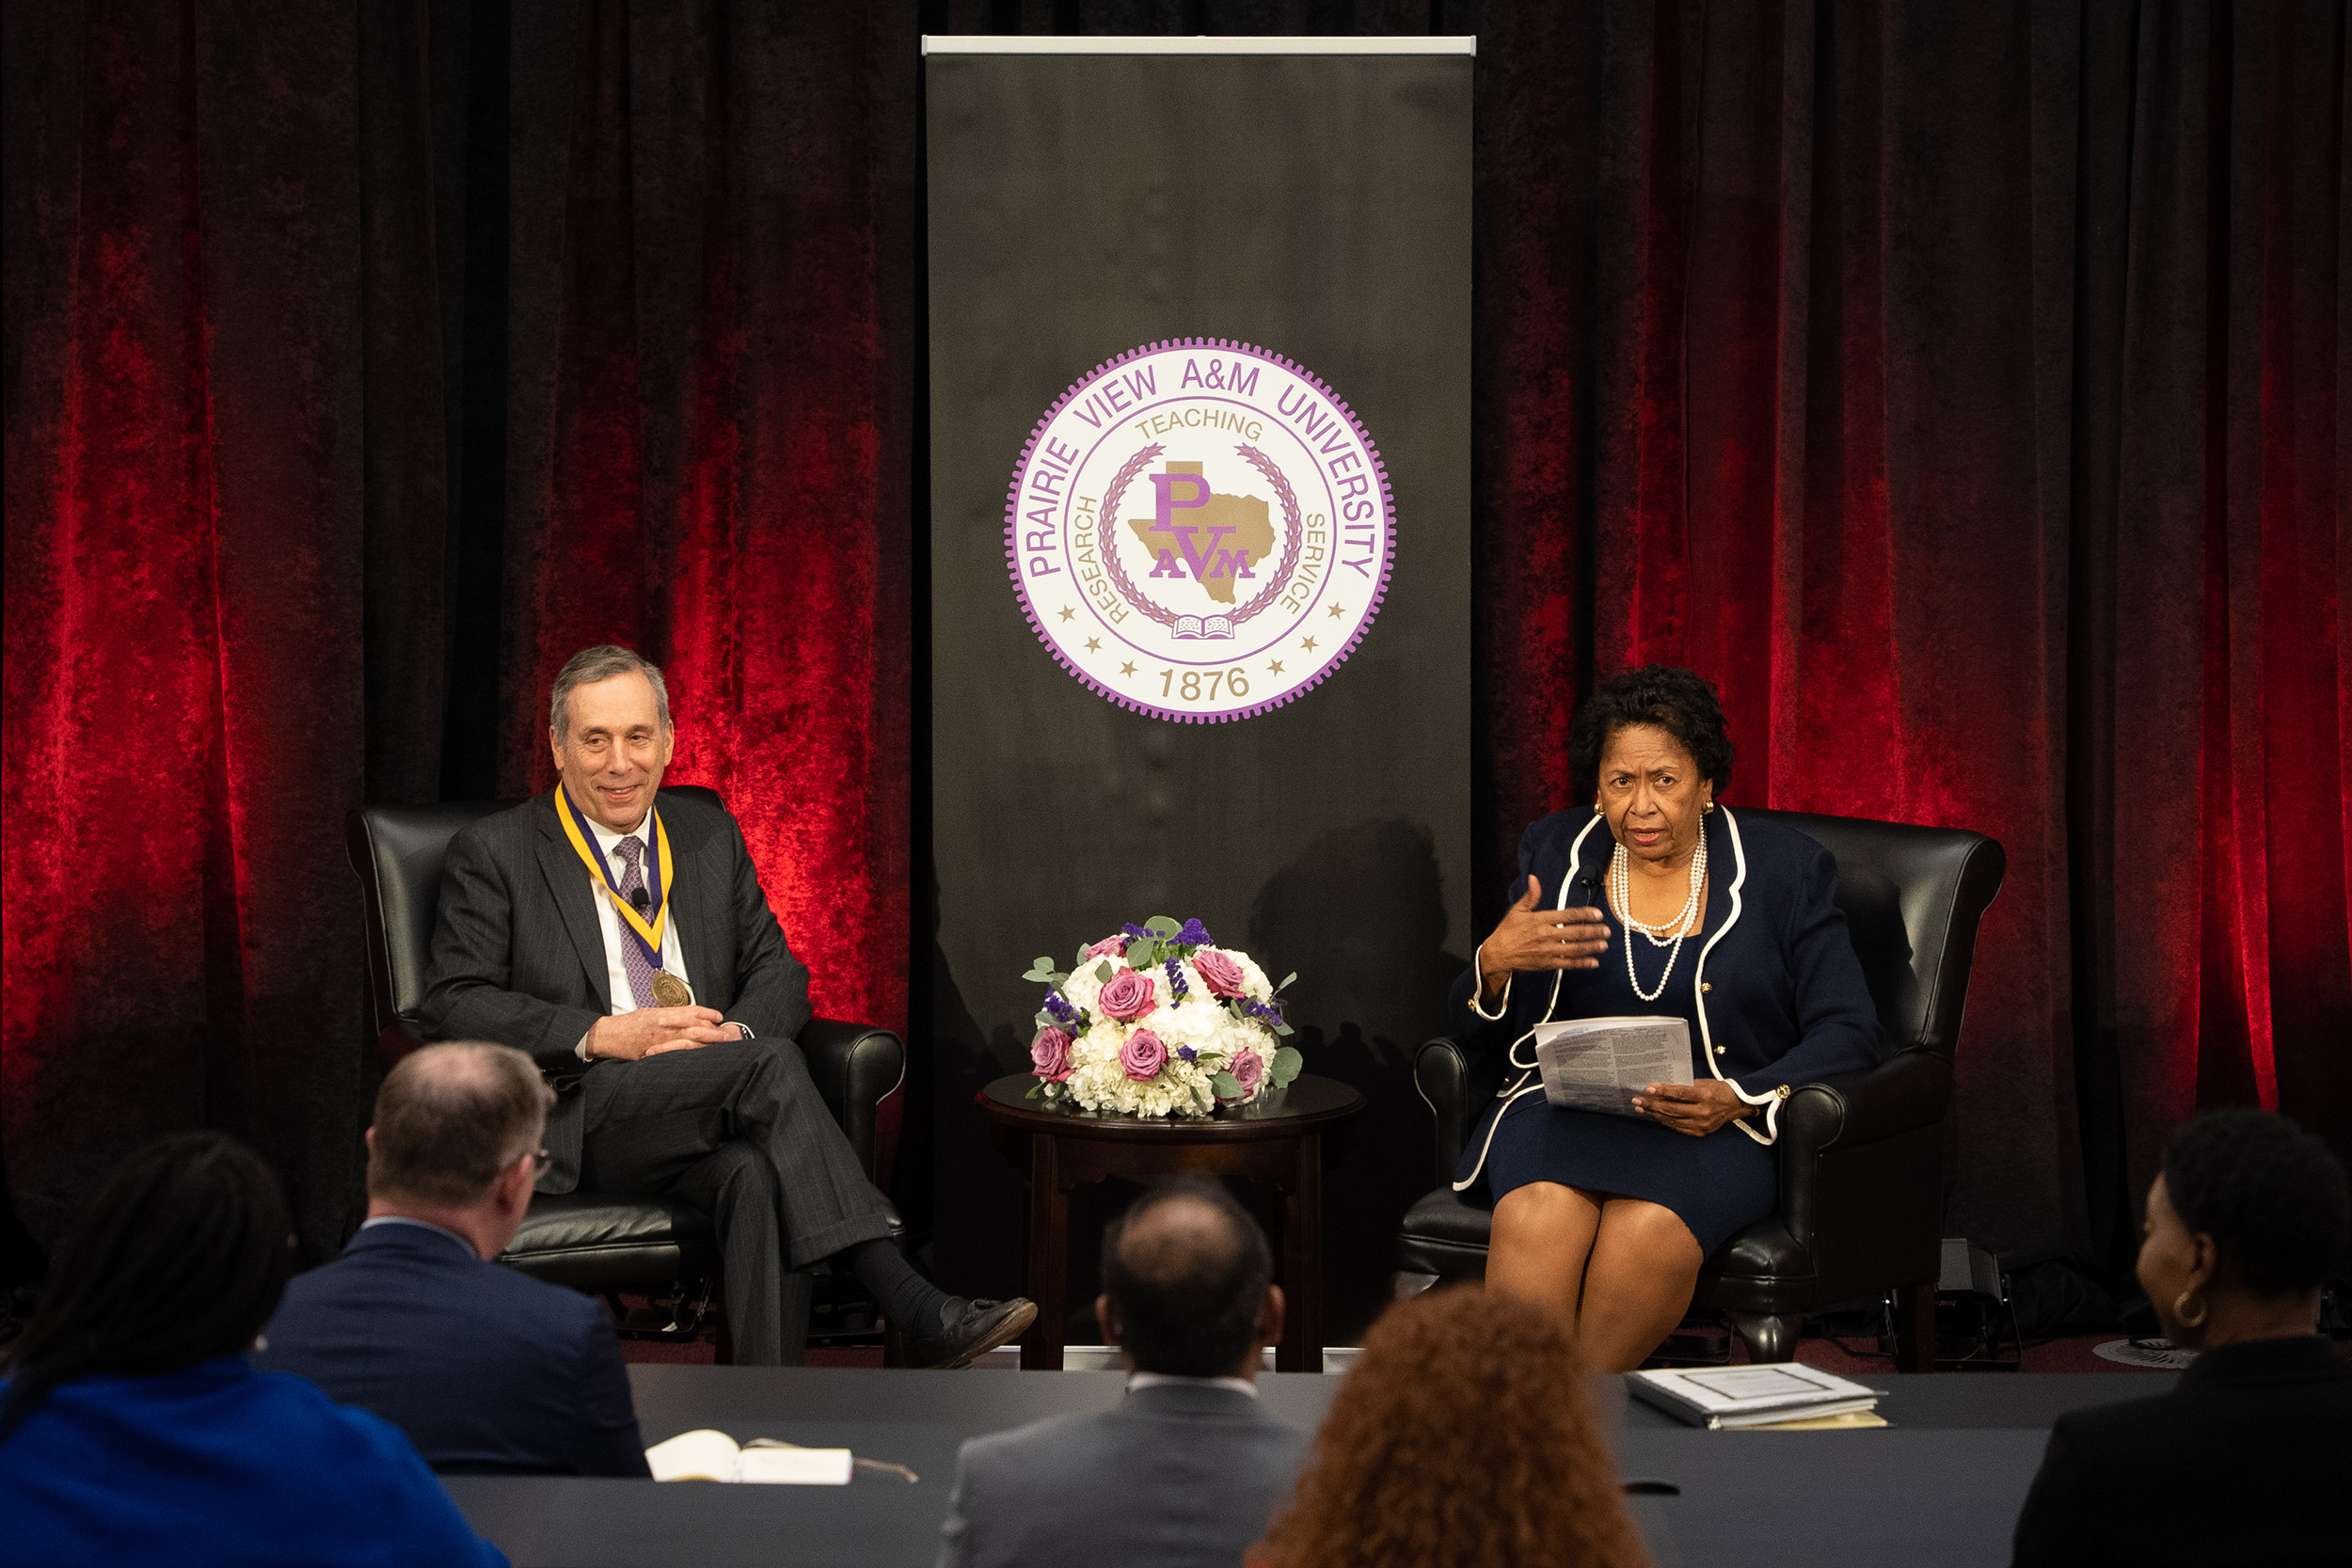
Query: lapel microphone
{"points": [[641, 900]]}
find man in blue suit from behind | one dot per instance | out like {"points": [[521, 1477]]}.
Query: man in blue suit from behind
{"points": [[487, 1371]]}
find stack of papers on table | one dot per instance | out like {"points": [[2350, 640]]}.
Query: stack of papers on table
{"points": [[1733, 1396]]}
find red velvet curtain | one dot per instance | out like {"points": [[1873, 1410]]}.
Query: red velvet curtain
{"points": [[363, 364], [708, 427], [1957, 387]]}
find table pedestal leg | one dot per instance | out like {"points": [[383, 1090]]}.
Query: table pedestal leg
{"points": [[1301, 1350], [1049, 1256]]}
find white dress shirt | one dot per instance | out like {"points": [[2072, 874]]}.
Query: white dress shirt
{"points": [[1152, 1380], [609, 919]]}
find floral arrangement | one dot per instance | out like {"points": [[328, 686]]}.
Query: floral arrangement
{"points": [[1159, 1021]]}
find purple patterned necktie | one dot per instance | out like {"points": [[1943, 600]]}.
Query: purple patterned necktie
{"points": [[632, 951]]}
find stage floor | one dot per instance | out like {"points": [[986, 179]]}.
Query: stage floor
{"points": [[1940, 1485]]}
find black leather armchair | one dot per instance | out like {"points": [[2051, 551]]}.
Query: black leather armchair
{"points": [[1860, 1155], [589, 1241]]}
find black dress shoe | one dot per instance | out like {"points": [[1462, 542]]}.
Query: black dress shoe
{"points": [[969, 1330]]}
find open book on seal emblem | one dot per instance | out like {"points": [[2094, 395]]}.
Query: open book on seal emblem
{"points": [[1190, 626], [1729, 1397]]}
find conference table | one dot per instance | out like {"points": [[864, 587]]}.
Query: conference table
{"points": [[1940, 1485]]}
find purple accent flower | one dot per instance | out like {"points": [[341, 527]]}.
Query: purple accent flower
{"points": [[1248, 1070], [1049, 1056], [1188, 1054], [1143, 1056], [1176, 987], [1128, 996], [1193, 935], [1058, 1007], [1137, 932], [1221, 975], [1109, 947]]}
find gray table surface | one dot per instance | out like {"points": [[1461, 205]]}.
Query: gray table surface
{"points": [[1941, 1485]]}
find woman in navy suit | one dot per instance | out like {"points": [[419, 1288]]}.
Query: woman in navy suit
{"points": [[1658, 901]]}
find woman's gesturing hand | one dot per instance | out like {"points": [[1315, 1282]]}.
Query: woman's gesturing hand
{"points": [[1531, 937], [1697, 1108]]}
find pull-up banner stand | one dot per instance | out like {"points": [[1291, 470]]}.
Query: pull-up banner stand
{"points": [[1200, 328]]}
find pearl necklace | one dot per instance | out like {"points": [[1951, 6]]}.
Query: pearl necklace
{"points": [[1621, 890]]}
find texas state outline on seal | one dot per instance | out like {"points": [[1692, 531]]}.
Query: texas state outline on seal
{"points": [[1200, 531]]}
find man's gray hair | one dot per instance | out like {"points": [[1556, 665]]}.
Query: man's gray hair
{"points": [[591, 665]]}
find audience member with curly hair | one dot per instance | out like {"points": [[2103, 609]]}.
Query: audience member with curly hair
{"points": [[2244, 1460], [1462, 1439]]}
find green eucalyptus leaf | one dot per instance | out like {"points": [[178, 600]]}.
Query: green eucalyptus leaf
{"points": [[1284, 1029], [1286, 1066], [1227, 1086], [1140, 955], [1035, 1089], [1288, 978], [1103, 971], [1160, 924]]}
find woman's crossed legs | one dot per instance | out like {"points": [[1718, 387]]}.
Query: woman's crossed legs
{"points": [[1621, 1270]]}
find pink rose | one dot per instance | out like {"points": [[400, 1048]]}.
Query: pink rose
{"points": [[1109, 947], [1248, 1070], [1128, 996], [1049, 1055], [1143, 1056], [1221, 975]]}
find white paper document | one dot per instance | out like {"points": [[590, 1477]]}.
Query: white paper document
{"points": [[1599, 1064]]}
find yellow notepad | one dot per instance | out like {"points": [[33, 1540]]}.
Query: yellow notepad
{"points": [[1851, 1419]]}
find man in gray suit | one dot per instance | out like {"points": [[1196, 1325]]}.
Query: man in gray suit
{"points": [[1188, 1470], [620, 937]]}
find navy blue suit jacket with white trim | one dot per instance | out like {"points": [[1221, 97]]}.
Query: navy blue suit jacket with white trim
{"points": [[1787, 1001]]}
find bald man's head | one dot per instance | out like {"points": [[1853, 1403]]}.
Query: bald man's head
{"points": [[1186, 1270], [450, 1117]]}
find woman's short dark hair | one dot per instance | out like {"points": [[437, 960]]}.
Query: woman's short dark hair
{"points": [[180, 1255], [2271, 1194], [1680, 702], [1188, 1299]]}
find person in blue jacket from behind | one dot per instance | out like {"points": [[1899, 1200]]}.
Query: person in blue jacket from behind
{"points": [[132, 1428]]}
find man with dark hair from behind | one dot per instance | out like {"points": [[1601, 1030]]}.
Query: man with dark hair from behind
{"points": [[1187, 1469], [487, 1371]]}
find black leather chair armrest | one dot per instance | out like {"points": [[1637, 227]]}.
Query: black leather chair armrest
{"points": [[854, 1067], [1441, 1074], [1907, 1091]]}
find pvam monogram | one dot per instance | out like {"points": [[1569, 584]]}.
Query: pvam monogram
{"points": [[1200, 531]]}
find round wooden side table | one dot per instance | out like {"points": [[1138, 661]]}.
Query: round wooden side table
{"points": [[1277, 1139]]}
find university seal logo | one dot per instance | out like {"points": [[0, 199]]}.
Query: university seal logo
{"points": [[1200, 531]]}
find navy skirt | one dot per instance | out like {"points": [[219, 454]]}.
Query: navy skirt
{"points": [[1717, 1185]]}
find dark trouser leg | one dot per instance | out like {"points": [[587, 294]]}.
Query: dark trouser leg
{"points": [[648, 1124], [766, 1304]]}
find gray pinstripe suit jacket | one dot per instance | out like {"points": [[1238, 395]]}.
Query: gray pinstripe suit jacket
{"points": [[518, 958]]}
